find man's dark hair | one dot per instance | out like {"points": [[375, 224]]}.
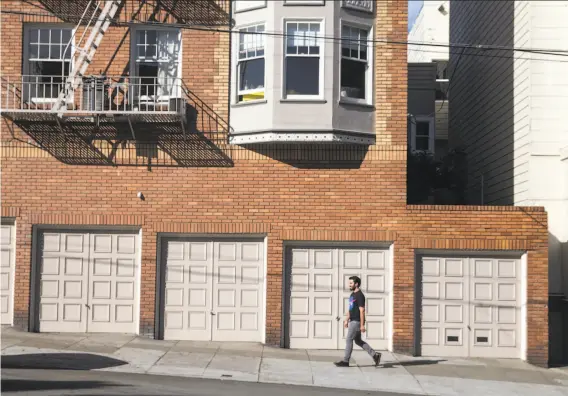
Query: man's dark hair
{"points": [[356, 279]]}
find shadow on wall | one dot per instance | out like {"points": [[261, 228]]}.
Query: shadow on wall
{"points": [[314, 155], [558, 316], [158, 141]]}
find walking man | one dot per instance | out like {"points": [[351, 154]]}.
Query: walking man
{"points": [[355, 323]]}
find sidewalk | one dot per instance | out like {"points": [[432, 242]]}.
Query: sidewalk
{"points": [[258, 363]]}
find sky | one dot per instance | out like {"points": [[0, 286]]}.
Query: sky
{"points": [[414, 7]]}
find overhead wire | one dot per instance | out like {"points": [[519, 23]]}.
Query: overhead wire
{"points": [[481, 47]]}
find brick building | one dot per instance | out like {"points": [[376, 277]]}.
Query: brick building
{"points": [[175, 194]]}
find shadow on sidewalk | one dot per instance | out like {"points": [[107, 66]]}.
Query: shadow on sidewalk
{"points": [[23, 385], [59, 361], [410, 363]]}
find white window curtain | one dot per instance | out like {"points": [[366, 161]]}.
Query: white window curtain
{"points": [[161, 48]]}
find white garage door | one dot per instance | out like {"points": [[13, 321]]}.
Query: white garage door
{"points": [[470, 307], [7, 267], [88, 282], [319, 295], [214, 290]]}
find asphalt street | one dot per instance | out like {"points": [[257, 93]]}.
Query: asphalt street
{"points": [[73, 382]]}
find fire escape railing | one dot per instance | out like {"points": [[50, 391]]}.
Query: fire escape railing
{"points": [[182, 13]]}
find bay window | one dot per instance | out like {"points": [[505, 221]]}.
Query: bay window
{"points": [[251, 64], [354, 64], [303, 63]]}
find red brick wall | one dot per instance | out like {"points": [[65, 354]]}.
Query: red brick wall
{"points": [[318, 193]]}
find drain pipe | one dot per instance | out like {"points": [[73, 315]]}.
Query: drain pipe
{"points": [[230, 69]]}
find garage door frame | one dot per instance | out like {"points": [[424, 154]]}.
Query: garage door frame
{"points": [[11, 222], [287, 272], [469, 254], [35, 275], [161, 261]]}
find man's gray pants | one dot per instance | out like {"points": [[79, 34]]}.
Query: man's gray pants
{"points": [[354, 334]]}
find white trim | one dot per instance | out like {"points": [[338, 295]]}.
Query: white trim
{"points": [[524, 300], [134, 52], [261, 4], [27, 94], [238, 92], [315, 137], [431, 132], [370, 72], [321, 57], [265, 291], [304, 2], [137, 291], [390, 293]]}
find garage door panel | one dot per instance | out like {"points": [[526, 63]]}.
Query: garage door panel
{"points": [[319, 295], [112, 283], [188, 285], [63, 281], [495, 329], [213, 290], [445, 311], [370, 265], [470, 307], [88, 282], [237, 305], [313, 299]]}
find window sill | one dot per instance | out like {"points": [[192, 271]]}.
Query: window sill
{"points": [[249, 103], [314, 101], [347, 102]]}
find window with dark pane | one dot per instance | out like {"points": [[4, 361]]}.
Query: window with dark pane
{"points": [[303, 63], [354, 62], [251, 64]]}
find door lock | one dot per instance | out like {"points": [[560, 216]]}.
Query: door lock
{"points": [[338, 318]]}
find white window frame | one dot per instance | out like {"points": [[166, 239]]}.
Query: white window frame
{"points": [[238, 60], [304, 2], [369, 74], [431, 133], [238, 9], [26, 57], [134, 61], [321, 55]]}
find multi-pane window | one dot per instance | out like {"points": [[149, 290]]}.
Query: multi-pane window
{"points": [[157, 54], [48, 61], [354, 62], [250, 66], [423, 134], [303, 64]]}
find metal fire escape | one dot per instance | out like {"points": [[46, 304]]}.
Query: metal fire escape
{"points": [[98, 24]]}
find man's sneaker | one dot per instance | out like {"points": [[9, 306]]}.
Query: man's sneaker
{"points": [[341, 364], [377, 358]]}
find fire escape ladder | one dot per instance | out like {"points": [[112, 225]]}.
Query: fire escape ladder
{"points": [[98, 23]]}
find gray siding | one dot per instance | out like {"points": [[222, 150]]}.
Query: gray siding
{"points": [[421, 89], [483, 95]]}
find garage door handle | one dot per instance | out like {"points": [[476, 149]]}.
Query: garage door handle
{"points": [[212, 313], [338, 318], [88, 306]]}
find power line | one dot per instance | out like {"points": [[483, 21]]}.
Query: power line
{"points": [[484, 47], [481, 47]]}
